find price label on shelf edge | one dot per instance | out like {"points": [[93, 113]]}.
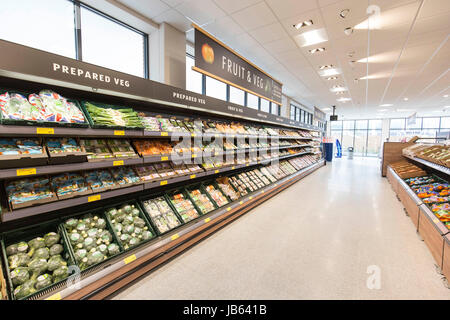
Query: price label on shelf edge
{"points": [[119, 132], [164, 134], [129, 259], [163, 183], [192, 176], [175, 236], [94, 198], [45, 131], [207, 220], [26, 172], [164, 158], [118, 163]]}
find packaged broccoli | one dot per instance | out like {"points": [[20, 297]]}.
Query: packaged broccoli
{"points": [[32, 263], [128, 225]]}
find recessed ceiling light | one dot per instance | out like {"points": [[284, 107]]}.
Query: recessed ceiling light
{"points": [[329, 72], [404, 110], [348, 31], [343, 99], [350, 54], [338, 88], [303, 24], [343, 13], [317, 50], [340, 92], [311, 37], [445, 95], [386, 105], [332, 78], [326, 66], [406, 99]]}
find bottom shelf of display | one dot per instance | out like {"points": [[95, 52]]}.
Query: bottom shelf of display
{"points": [[104, 280]]}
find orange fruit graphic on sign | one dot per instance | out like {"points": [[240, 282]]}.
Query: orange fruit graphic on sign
{"points": [[208, 53]]}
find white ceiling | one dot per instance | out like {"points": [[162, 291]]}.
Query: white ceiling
{"points": [[408, 55]]}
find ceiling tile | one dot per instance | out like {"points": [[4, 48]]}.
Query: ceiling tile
{"points": [[231, 6], [224, 28], [254, 16], [281, 45], [148, 8], [200, 11], [175, 19], [288, 8], [268, 33], [172, 3]]}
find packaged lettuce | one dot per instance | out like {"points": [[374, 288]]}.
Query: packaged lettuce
{"points": [[15, 106]]}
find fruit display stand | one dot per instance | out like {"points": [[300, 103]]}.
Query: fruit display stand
{"points": [[433, 232]]}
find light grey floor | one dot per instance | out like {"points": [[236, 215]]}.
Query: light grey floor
{"points": [[315, 240]]}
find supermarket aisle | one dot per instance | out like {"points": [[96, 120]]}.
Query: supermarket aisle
{"points": [[315, 240]]}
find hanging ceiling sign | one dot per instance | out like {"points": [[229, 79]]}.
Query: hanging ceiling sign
{"points": [[319, 115], [216, 60], [412, 119]]}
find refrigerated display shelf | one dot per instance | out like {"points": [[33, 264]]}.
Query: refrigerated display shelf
{"points": [[17, 130], [72, 202], [100, 278], [83, 166]]}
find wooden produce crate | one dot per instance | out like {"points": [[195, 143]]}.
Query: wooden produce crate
{"points": [[446, 258], [432, 231]]}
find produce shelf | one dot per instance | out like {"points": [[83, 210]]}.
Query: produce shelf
{"points": [[430, 164], [72, 202], [131, 261], [16, 130], [59, 168]]}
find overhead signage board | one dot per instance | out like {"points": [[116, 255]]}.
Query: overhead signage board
{"points": [[22, 62], [216, 60], [412, 119], [319, 115]]}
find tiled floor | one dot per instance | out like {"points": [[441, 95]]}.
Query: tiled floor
{"points": [[317, 239]]}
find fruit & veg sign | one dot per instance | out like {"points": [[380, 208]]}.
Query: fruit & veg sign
{"points": [[220, 62]]}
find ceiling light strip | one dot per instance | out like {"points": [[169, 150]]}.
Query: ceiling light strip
{"points": [[401, 52]]}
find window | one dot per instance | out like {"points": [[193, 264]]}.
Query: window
{"points": [[429, 123], [216, 89], [252, 101], [265, 105], [348, 124], [336, 125], [292, 114], [416, 125], [361, 124], [397, 124], [375, 124], [109, 44], [445, 123], [193, 78], [275, 109], [298, 114], [46, 25], [237, 96]]}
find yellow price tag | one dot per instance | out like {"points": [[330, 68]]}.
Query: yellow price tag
{"points": [[45, 131], [229, 208], [119, 132], [164, 158], [250, 197], [217, 171], [94, 198], [248, 164], [194, 155], [262, 191], [56, 296], [163, 183], [175, 236], [232, 168], [118, 163], [164, 134], [129, 259], [207, 220], [241, 202], [193, 135], [192, 176], [26, 172]]}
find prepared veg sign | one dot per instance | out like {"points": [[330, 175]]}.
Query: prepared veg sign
{"points": [[216, 60]]}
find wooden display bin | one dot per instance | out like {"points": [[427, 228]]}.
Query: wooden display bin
{"points": [[432, 231], [446, 258], [389, 175], [410, 203]]}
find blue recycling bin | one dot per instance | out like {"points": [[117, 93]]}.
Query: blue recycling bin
{"points": [[328, 146]]}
